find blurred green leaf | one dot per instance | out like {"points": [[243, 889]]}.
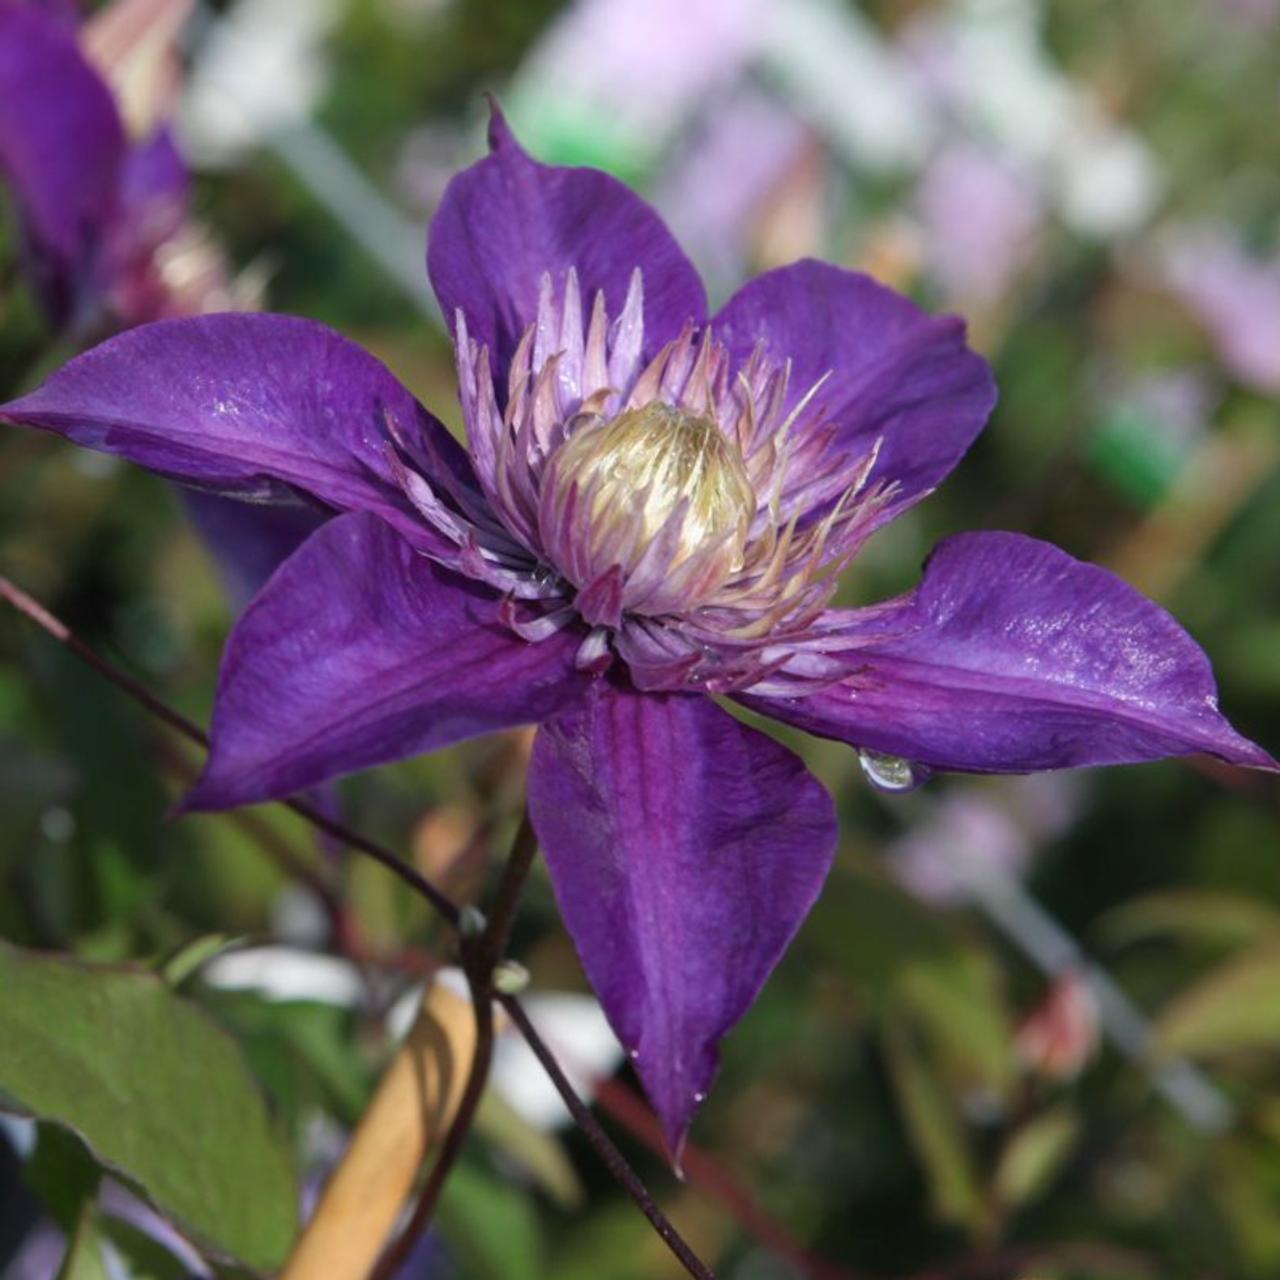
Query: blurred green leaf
{"points": [[63, 1174], [83, 1259], [935, 1130], [539, 1153], [958, 1003], [191, 955], [305, 1053], [146, 1258], [906, 956], [1236, 1006], [491, 1226], [1198, 914], [872, 930], [1034, 1155], [157, 1092], [1242, 1183]]}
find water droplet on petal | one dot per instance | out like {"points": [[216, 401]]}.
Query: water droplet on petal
{"points": [[889, 773], [699, 1097], [634, 1054]]}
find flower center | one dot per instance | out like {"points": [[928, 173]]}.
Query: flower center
{"points": [[658, 488]]}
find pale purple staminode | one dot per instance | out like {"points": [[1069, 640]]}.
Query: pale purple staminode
{"points": [[654, 508]]}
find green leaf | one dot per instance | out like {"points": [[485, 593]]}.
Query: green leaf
{"points": [[62, 1173], [905, 956], [491, 1226], [1234, 1007], [83, 1259], [191, 955], [157, 1092], [145, 1257], [935, 1130], [958, 1005], [1228, 919], [1034, 1155], [540, 1154], [872, 930]]}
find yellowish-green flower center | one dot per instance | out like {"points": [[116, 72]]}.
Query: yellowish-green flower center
{"points": [[658, 458]]}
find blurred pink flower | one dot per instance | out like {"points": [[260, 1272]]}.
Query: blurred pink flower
{"points": [[983, 831], [1236, 297], [1060, 1036]]}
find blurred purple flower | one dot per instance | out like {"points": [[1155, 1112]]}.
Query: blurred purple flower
{"points": [[1250, 13], [714, 191], [976, 834], [105, 219], [1237, 299], [619, 56], [655, 508], [108, 237], [982, 220]]}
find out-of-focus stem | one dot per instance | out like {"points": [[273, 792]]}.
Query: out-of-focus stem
{"points": [[413, 1108]]}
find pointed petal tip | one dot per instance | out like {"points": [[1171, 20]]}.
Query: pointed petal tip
{"points": [[675, 1153], [1243, 753], [499, 132]]}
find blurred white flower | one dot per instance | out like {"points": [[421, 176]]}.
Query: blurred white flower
{"points": [[259, 70], [573, 1025]]}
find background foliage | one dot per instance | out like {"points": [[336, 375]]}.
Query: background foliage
{"points": [[884, 1106]]}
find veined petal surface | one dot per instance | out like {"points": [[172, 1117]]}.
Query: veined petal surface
{"points": [[685, 849], [359, 651], [508, 220], [1012, 656], [243, 405], [892, 374]]}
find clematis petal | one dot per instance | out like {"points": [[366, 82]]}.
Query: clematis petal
{"points": [[1010, 657], [892, 372], [358, 651], [507, 220], [247, 405], [249, 540], [685, 850], [155, 189], [65, 194]]}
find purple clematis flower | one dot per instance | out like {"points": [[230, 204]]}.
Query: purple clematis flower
{"points": [[106, 225], [654, 509]]}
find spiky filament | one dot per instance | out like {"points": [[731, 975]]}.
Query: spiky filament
{"points": [[695, 515]]}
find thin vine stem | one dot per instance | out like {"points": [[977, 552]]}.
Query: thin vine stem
{"points": [[605, 1148], [449, 910]]}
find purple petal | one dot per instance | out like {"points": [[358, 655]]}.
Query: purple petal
{"points": [[61, 145], [685, 850], [507, 220], [893, 373], [1011, 656], [243, 405], [249, 541], [359, 651], [155, 189]]}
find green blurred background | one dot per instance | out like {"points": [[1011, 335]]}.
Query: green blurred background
{"points": [[1032, 1028]]}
